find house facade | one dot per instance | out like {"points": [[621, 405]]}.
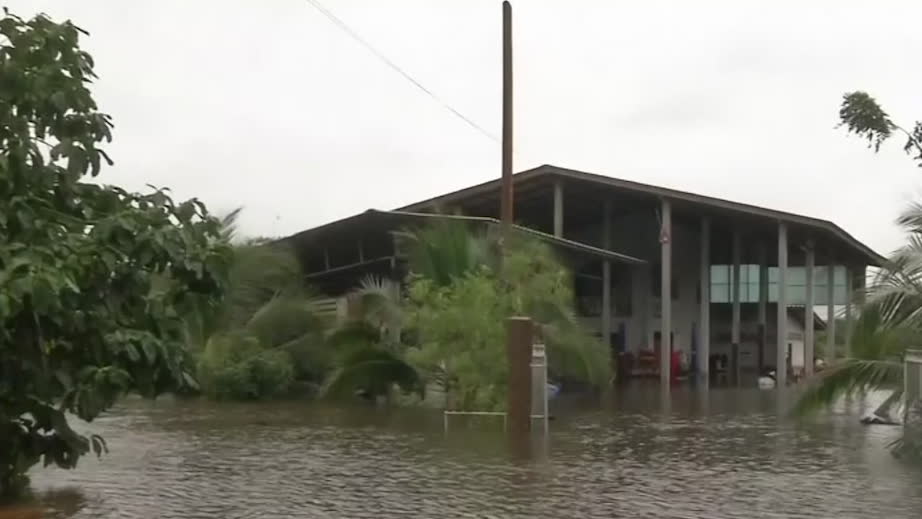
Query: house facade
{"points": [[727, 280]]}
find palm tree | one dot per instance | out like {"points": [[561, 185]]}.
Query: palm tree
{"points": [[267, 308], [453, 253], [368, 347], [889, 323]]}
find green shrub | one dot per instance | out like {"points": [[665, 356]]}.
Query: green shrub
{"points": [[235, 366]]}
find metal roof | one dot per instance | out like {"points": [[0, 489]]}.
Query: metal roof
{"points": [[549, 238], [550, 171]]}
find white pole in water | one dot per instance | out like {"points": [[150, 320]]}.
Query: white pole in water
{"points": [[539, 384]]}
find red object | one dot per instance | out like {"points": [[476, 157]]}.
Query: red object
{"points": [[675, 364]]}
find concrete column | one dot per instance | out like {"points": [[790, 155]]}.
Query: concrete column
{"points": [[860, 287], [849, 318], [808, 310], [830, 312], [606, 275], [666, 293], [763, 284], [558, 209], [704, 307], [763, 304], [736, 254], [735, 289], [781, 371]]}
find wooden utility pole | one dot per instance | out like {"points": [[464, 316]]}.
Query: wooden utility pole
{"points": [[519, 330], [519, 339], [506, 212]]}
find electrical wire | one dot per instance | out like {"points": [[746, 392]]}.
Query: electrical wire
{"points": [[396, 68]]}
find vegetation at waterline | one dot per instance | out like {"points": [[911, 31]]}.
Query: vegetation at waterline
{"points": [[94, 280], [265, 334], [891, 319], [445, 332], [458, 299]]}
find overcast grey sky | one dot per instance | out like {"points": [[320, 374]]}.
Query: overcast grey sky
{"points": [[270, 106]]}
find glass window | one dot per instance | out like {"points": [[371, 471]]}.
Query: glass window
{"points": [[722, 276]]}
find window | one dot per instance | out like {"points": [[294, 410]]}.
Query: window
{"points": [[722, 283]]}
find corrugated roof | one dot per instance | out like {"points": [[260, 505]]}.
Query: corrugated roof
{"points": [[661, 192], [549, 238]]}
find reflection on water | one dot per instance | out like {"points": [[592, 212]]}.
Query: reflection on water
{"points": [[721, 454]]}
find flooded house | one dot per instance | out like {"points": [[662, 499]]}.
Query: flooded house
{"points": [[739, 288]]}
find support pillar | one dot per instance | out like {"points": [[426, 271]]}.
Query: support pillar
{"points": [[558, 209], [606, 275], [704, 307], [830, 312], [666, 294], [808, 310], [735, 298], [781, 350], [763, 304], [849, 317]]}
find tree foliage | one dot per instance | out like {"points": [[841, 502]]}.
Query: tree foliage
{"points": [[94, 280], [266, 332], [458, 317], [368, 355], [889, 322], [862, 115], [236, 366]]}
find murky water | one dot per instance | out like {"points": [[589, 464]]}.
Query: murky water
{"points": [[720, 454]]}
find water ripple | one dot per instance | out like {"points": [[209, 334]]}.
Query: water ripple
{"points": [[182, 459]]}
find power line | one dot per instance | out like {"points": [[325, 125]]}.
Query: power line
{"points": [[355, 36]]}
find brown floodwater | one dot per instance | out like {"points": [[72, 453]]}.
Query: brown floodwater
{"points": [[722, 453]]}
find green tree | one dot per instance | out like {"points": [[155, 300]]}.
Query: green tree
{"points": [[94, 280], [891, 320], [457, 316], [367, 349], [266, 332], [862, 115]]}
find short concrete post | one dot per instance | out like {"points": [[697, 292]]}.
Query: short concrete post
{"points": [[912, 393], [912, 376], [539, 385], [519, 339]]}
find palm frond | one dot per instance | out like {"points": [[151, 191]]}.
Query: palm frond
{"points": [[850, 377], [444, 250], [257, 275], [229, 225], [373, 371], [575, 354], [351, 336], [911, 218], [379, 303], [283, 319]]}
